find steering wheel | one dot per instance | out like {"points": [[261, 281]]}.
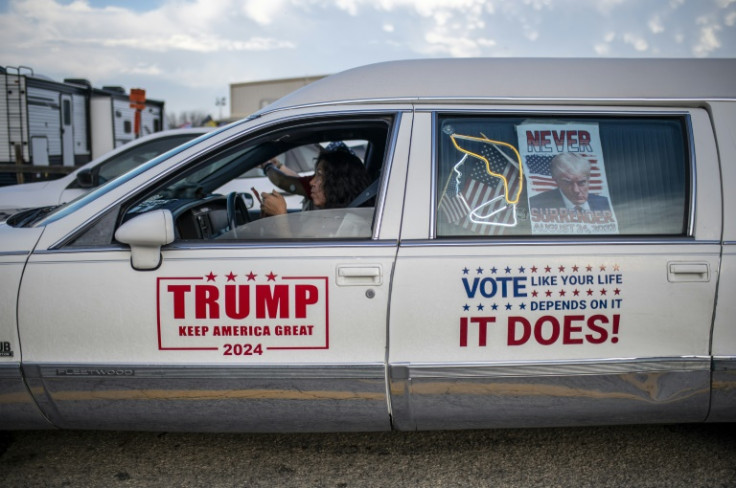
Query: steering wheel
{"points": [[236, 203]]}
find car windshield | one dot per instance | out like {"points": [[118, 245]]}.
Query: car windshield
{"points": [[69, 207], [136, 155]]}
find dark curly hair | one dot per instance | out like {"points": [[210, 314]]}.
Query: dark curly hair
{"points": [[345, 177]]}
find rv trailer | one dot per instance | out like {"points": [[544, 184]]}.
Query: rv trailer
{"points": [[47, 127]]}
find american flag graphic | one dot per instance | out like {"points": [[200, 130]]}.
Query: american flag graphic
{"points": [[472, 197], [540, 179]]}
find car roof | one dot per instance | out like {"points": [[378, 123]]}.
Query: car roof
{"points": [[532, 79]]}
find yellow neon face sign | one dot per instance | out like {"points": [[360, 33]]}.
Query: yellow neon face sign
{"points": [[510, 199]]}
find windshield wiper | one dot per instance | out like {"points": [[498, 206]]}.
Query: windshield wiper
{"points": [[25, 218]]}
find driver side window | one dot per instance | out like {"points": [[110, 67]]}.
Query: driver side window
{"points": [[304, 182]]}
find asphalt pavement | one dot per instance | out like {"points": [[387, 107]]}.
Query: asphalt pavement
{"points": [[629, 456]]}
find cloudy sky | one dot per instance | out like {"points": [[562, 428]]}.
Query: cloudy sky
{"points": [[187, 52]]}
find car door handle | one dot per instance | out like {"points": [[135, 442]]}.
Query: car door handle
{"points": [[687, 272], [351, 275]]}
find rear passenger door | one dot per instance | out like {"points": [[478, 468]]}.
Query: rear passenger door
{"points": [[538, 289]]}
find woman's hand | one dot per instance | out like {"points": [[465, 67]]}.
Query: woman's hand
{"points": [[273, 204]]}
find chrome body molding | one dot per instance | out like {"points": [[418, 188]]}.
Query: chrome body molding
{"points": [[724, 363], [546, 394], [18, 410], [693, 176], [723, 390], [552, 368], [311, 244], [383, 185], [225, 245], [206, 398], [532, 241], [522, 100], [14, 253], [345, 371]]}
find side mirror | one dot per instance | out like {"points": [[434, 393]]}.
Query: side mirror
{"points": [[145, 234], [86, 179]]}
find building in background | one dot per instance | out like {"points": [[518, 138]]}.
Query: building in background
{"points": [[246, 98]]}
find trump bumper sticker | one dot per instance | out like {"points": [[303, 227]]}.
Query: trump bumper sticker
{"points": [[245, 314]]}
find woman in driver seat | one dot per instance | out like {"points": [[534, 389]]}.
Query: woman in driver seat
{"points": [[339, 177]]}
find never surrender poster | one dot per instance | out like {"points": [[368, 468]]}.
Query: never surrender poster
{"points": [[566, 179]]}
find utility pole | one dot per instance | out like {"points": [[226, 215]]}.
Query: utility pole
{"points": [[220, 102]]}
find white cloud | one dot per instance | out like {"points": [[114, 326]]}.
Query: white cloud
{"points": [[637, 42], [602, 49], [205, 44], [655, 25], [198, 43], [261, 11], [538, 4], [606, 6], [708, 41], [730, 19], [350, 6], [458, 47]]}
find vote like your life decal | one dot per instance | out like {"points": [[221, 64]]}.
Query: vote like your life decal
{"points": [[541, 304]]}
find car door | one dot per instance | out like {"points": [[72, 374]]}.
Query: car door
{"points": [[517, 310], [236, 334]]}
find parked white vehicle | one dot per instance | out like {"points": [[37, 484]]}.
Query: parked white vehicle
{"points": [[545, 242], [94, 173]]}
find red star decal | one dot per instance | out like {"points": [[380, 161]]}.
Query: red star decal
{"points": [[231, 276], [616, 267], [271, 276], [589, 292], [589, 268], [603, 267], [603, 291], [251, 276], [534, 269], [575, 268], [562, 293], [211, 276], [547, 269], [535, 293], [562, 269], [616, 291], [576, 292], [548, 293]]}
